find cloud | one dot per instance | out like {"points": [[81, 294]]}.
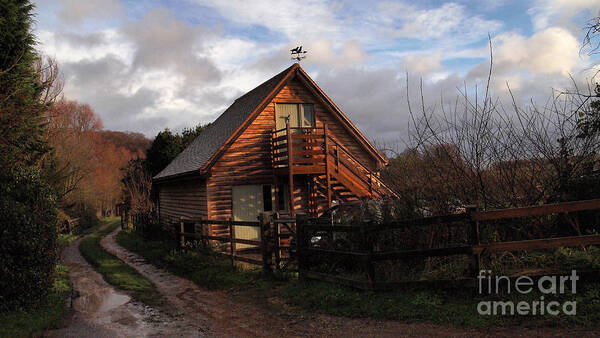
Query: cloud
{"points": [[294, 19], [157, 69], [559, 12], [162, 41], [74, 47], [554, 50], [74, 12], [160, 68], [402, 20], [323, 52], [423, 63]]}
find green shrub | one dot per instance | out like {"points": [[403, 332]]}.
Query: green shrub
{"points": [[28, 238]]}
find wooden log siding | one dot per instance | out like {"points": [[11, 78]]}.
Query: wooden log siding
{"points": [[248, 159], [184, 198]]}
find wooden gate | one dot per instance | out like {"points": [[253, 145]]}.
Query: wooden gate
{"points": [[284, 230]]}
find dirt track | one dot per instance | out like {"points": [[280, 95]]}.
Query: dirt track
{"points": [[194, 311], [101, 311]]}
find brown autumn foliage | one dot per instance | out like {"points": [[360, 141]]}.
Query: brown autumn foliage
{"points": [[87, 160]]}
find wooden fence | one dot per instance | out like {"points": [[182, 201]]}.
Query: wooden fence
{"points": [[70, 226], [308, 228], [284, 242], [259, 252]]}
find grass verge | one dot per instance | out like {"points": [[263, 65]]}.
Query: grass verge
{"points": [[49, 312], [115, 271], [456, 307], [45, 315]]}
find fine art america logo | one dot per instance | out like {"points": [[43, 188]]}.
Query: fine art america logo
{"points": [[547, 285]]}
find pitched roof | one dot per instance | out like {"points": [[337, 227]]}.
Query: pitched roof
{"points": [[215, 135], [205, 149]]}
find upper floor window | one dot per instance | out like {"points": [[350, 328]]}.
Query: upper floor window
{"points": [[298, 114]]}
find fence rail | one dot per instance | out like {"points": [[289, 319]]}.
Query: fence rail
{"points": [[366, 255]]}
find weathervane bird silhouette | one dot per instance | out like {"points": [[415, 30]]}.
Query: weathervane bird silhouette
{"points": [[297, 53]]}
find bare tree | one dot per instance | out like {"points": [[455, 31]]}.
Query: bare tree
{"points": [[138, 184], [477, 151], [50, 77]]}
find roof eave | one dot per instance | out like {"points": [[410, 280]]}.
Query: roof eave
{"points": [[179, 176]]}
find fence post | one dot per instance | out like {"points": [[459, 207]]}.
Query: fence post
{"points": [[202, 233], [231, 240], [276, 232], [367, 248], [301, 221], [265, 242], [475, 238], [181, 233]]}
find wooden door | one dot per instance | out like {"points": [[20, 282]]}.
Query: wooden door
{"points": [[247, 205]]}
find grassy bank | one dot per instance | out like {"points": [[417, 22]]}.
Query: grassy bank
{"points": [[456, 307], [48, 313], [45, 315], [115, 271]]}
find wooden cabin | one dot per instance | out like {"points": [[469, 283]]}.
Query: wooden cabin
{"points": [[282, 147]]}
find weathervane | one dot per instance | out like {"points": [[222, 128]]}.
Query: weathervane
{"points": [[297, 54]]}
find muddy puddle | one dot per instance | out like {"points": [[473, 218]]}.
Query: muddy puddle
{"points": [[99, 310], [99, 301]]}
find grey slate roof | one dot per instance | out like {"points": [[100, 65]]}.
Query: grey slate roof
{"points": [[214, 136]]}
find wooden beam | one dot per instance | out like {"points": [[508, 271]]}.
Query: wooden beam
{"points": [[290, 167], [327, 169], [534, 244], [538, 210]]}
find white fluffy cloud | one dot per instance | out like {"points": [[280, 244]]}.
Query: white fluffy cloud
{"points": [[553, 50]]}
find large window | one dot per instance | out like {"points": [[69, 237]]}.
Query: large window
{"points": [[298, 114]]}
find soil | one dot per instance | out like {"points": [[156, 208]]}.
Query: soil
{"points": [[98, 310], [195, 311]]}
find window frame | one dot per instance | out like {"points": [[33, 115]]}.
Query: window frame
{"points": [[299, 112]]}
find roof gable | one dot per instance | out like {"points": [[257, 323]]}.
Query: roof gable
{"points": [[213, 141]]}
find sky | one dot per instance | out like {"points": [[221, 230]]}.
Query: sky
{"points": [[145, 66]]}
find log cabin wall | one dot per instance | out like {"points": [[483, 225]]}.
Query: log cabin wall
{"points": [[248, 159], [182, 198]]}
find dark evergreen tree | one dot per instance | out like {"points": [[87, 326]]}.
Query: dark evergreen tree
{"points": [[165, 147], [27, 204]]}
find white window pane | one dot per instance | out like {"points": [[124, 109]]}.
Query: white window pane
{"points": [[308, 115]]}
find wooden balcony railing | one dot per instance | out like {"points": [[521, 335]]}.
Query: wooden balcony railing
{"points": [[315, 151]]}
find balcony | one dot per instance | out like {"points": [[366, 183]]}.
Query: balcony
{"points": [[313, 151], [307, 151]]}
